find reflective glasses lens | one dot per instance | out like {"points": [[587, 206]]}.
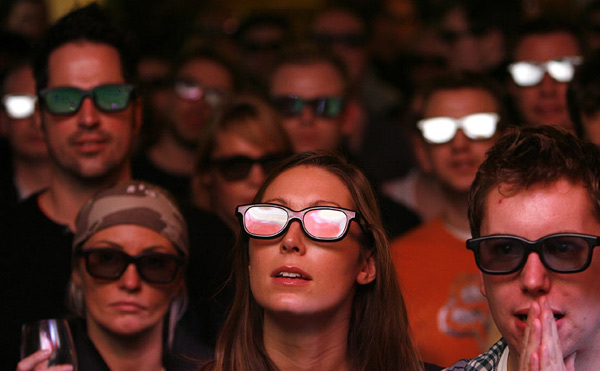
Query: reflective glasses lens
{"points": [[111, 98], [325, 223], [265, 221], [526, 73], [62, 101], [19, 106], [480, 126], [328, 107], [561, 70], [437, 129]]}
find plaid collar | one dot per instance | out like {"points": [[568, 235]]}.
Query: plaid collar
{"points": [[489, 360]]}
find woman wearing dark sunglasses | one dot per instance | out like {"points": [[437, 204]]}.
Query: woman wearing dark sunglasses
{"points": [[129, 254], [315, 286]]}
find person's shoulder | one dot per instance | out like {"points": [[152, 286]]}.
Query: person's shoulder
{"points": [[487, 361], [420, 234]]}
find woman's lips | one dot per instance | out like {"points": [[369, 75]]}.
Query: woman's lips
{"points": [[127, 306], [288, 275]]}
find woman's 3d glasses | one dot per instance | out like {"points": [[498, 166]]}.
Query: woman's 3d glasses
{"points": [[237, 168], [193, 91], [19, 106], [321, 223], [478, 126], [527, 73], [292, 106], [67, 100], [561, 253], [152, 267]]}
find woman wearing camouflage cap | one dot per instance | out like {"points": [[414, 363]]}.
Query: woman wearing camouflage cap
{"points": [[129, 252]]}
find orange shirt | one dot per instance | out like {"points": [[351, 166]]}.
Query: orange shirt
{"points": [[440, 283]]}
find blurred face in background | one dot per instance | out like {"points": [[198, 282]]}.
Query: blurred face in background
{"points": [[24, 134]]}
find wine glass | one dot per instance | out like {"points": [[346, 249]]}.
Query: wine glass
{"points": [[53, 334]]}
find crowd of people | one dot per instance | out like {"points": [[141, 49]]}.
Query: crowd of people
{"points": [[412, 187]]}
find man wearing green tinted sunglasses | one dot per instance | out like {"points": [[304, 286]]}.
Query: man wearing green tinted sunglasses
{"points": [[90, 117]]}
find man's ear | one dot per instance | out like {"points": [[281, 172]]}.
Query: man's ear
{"points": [[367, 272], [421, 153], [76, 277]]}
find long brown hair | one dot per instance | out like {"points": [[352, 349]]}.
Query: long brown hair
{"points": [[379, 337]]}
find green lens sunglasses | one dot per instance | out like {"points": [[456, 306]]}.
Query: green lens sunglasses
{"points": [[67, 100]]}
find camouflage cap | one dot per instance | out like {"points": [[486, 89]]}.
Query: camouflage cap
{"points": [[137, 203]]}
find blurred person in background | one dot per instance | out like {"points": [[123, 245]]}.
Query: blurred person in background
{"points": [[201, 82], [583, 98], [29, 170], [544, 57], [461, 117], [90, 118], [28, 18], [240, 145], [260, 40]]}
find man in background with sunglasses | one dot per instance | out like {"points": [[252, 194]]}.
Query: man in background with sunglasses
{"points": [[544, 56], [90, 119], [29, 170], [534, 214], [309, 89], [202, 82], [461, 117]]}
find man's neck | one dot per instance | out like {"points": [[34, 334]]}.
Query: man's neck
{"points": [[66, 194], [455, 210], [31, 176], [143, 351], [168, 155]]}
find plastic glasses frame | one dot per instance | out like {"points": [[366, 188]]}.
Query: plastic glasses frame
{"points": [[533, 247], [318, 105], [544, 67], [135, 260], [299, 216], [29, 99], [266, 163], [91, 93], [459, 123]]}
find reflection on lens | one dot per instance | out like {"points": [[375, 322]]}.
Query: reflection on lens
{"points": [[19, 106], [526, 73], [324, 223], [265, 220], [438, 129]]}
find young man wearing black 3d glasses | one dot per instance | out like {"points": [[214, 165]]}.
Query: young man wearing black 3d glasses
{"points": [[90, 117], [535, 218]]}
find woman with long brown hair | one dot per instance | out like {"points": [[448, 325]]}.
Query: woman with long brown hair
{"points": [[315, 285]]}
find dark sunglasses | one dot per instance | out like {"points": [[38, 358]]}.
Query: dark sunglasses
{"points": [[152, 267], [67, 100], [561, 253], [347, 39], [292, 106], [321, 223], [237, 168]]}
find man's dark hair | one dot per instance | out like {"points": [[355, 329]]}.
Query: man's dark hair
{"points": [[530, 156], [545, 26], [308, 55], [583, 94], [207, 54], [92, 24]]}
